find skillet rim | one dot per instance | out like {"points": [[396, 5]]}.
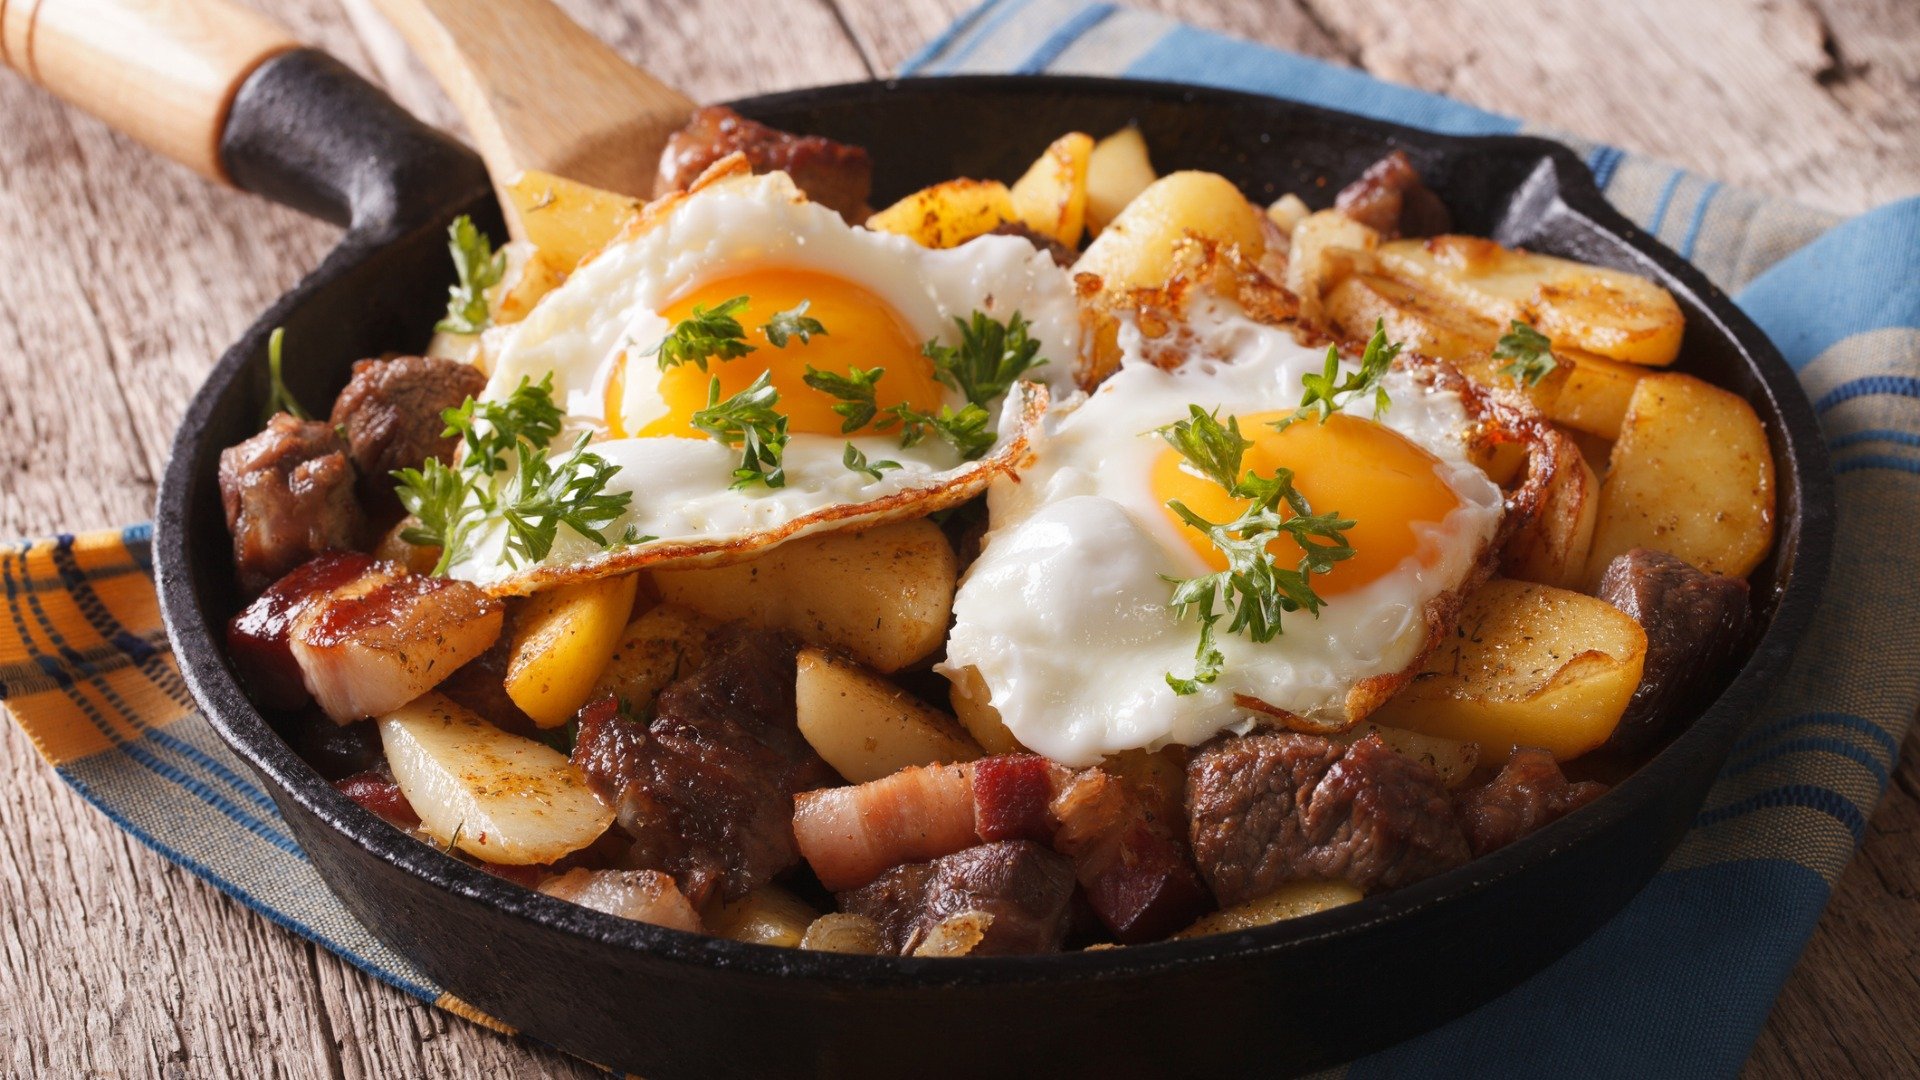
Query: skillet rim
{"points": [[1806, 532]]}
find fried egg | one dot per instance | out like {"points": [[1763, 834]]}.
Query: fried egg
{"points": [[879, 297], [1065, 615]]}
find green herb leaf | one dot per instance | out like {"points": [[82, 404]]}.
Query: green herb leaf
{"points": [[856, 461], [1530, 351], [437, 496], [990, 357], [1328, 392], [1254, 590], [490, 429], [480, 268], [792, 323], [279, 398], [966, 431], [855, 390], [544, 496], [704, 335], [747, 420]]}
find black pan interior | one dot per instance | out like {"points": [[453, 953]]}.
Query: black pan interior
{"points": [[385, 295]]}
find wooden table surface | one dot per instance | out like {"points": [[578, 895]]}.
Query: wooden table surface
{"points": [[121, 280]]}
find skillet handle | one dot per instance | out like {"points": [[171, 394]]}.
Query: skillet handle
{"points": [[227, 93], [162, 71]]}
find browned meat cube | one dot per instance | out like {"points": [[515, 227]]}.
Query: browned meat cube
{"points": [[390, 411], [835, 175], [1695, 622], [1026, 889], [1390, 199], [288, 494], [257, 636], [706, 786], [1529, 792], [1267, 809]]}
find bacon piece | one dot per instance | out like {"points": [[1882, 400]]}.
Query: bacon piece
{"points": [[257, 636], [376, 790], [379, 640], [850, 835], [1010, 797], [647, 896], [1138, 880]]}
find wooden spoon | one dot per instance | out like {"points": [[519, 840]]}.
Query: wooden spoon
{"points": [[539, 92]]}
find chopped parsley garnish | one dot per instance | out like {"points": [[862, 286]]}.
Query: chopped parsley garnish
{"points": [[856, 461], [1254, 590], [704, 335], [449, 502], [1329, 392], [1529, 351], [792, 323], [747, 420], [279, 398], [855, 391], [990, 357], [965, 431], [480, 268]]}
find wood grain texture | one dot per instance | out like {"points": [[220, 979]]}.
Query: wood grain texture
{"points": [[125, 279]]}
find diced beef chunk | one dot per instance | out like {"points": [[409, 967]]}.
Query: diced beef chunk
{"points": [[390, 411], [1390, 198], [1136, 871], [835, 175], [288, 494], [1528, 793], [1026, 889], [1267, 809], [1695, 622], [1061, 254], [257, 636], [706, 786]]}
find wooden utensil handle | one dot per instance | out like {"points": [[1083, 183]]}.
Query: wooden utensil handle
{"points": [[163, 71], [539, 92]]}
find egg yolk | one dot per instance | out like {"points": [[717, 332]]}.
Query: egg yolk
{"points": [[861, 329], [1366, 472]]}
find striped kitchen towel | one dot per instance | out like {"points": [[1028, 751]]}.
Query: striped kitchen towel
{"points": [[1678, 984]]}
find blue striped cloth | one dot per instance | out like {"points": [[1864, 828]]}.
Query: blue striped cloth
{"points": [[1678, 984]]}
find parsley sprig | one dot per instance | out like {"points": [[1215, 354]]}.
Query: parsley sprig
{"points": [[1328, 391], [1254, 591], [1529, 351], [990, 356], [856, 461], [450, 502], [279, 398], [855, 391], [705, 334], [748, 420], [792, 323], [480, 268]]}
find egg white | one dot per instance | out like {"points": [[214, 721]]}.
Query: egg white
{"points": [[681, 487], [1065, 613]]}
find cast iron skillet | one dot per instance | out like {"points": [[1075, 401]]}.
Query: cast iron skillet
{"points": [[640, 998]]}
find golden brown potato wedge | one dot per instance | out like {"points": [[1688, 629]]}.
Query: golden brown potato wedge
{"points": [[1287, 211], [655, 649], [1421, 321], [1552, 546], [948, 214], [1051, 199], [865, 726], [1531, 665], [1691, 475], [882, 595], [1289, 901], [1117, 170], [973, 705], [1610, 312], [562, 640], [1315, 259], [531, 274], [1137, 248], [566, 220], [1594, 396]]}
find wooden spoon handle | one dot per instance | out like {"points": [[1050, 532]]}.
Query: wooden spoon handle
{"points": [[539, 92], [162, 71]]}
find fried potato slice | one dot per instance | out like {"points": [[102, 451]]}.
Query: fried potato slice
{"points": [[1611, 313], [1051, 199], [1118, 169], [562, 640], [1530, 665], [865, 726], [948, 214], [1553, 545], [973, 706], [1595, 394], [1691, 475], [1317, 259], [566, 220], [1289, 901], [1136, 249], [769, 915]]}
